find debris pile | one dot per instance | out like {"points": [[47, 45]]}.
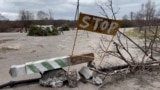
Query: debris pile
{"points": [[59, 77], [55, 76], [86, 72], [73, 78]]}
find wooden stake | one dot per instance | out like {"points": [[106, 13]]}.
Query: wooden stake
{"points": [[77, 12]]}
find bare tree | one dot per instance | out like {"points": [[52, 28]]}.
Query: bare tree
{"points": [[149, 10], [2, 17], [107, 7], [122, 50], [148, 15], [26, 16], [4, 26], [50, 14], [140, 17], [131, 15], [41, 15]]}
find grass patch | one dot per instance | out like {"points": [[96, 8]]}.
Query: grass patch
{"points": [[137, 34], [133, 33]]}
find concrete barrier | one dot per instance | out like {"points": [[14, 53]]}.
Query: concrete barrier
{"points": [[49, 64]]}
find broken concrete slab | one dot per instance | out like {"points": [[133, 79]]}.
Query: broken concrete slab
{"points": [[86, 72]]}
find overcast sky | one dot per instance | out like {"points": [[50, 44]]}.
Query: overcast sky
{"points": [[65, 9]]}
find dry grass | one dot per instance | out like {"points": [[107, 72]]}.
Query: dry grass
{"points": [[133, 33]]}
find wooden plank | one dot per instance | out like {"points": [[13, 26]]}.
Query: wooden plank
{"points": [[82, 58]]}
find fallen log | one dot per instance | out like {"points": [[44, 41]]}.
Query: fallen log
{"points": [[148, 65], [109, 69], [98, 71]]}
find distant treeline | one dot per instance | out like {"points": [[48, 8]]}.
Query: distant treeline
{"points": [[8, 26], [139, 23]]}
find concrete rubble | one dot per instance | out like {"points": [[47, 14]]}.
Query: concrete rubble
{"points": [[53, 78], [56, 78], [97, 80], [86, 73], [73, 79], [91, 64]]}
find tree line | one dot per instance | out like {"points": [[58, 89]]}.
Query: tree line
{"points": [[27, 18], [147, 15]]}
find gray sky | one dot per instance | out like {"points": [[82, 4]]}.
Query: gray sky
{"points": [[65, 9]]}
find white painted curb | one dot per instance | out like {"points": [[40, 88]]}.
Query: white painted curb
{"points": [[39, 66]]}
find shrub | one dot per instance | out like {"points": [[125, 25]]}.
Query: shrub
{"points": [[55, 31], [33, 31], [64, 27], [38, 31], [127, 23]]}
